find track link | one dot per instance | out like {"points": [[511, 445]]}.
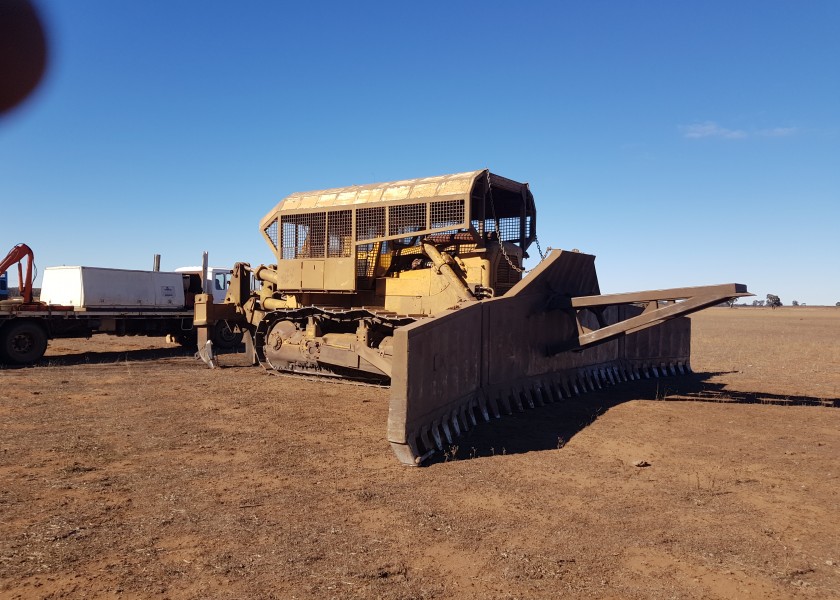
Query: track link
{"points": [[339, 316]]}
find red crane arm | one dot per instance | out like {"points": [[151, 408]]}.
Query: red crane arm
{"points": [[17, 255]]}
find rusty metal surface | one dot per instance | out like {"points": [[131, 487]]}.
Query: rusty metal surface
{"points": [[726, 290], [660, 306], [494, 357], [443, 187], [363, 240], [449, 369]]}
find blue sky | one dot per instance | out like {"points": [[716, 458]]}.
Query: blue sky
{"points": [[681, 143]]}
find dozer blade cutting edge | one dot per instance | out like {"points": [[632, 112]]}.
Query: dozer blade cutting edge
{"points": [[552, 336]]}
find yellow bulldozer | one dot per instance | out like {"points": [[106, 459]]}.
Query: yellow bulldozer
{"points": [[420, 284]]}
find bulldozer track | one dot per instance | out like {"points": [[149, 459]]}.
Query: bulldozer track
{"points": [[341, 316]]}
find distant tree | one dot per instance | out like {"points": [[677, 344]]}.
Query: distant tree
{"points": [[731, 302], [795, 303], [773, 301], [838, 304]]}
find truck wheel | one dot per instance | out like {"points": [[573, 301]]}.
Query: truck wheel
{"points": [[224, 337], [22, 343]]}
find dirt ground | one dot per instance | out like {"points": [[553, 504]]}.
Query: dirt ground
{"points": [[129, 470]]}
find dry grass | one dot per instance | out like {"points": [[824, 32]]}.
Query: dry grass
{"points": [[149, 476], [793, 351]]}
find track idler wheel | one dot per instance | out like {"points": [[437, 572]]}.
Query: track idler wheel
{"points": [[282, 345]]}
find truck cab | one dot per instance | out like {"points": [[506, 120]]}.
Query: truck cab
{"points": [[218, 280]]}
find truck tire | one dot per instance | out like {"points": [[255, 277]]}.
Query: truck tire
{"points": [[22, 342], [224, 337]]}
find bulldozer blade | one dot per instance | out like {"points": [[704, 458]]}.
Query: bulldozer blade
{"points": [[501, 355]]}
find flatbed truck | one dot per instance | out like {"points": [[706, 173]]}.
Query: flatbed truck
{"points": [[77, 302]]}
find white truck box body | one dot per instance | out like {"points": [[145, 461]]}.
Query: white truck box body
{"points": [[99, 288]]}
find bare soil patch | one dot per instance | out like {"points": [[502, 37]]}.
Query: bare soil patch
{"points": [[129, 470]]}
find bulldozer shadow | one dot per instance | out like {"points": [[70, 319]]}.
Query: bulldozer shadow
{"points": [[552, 426], [110, 356], [115, 356]]}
